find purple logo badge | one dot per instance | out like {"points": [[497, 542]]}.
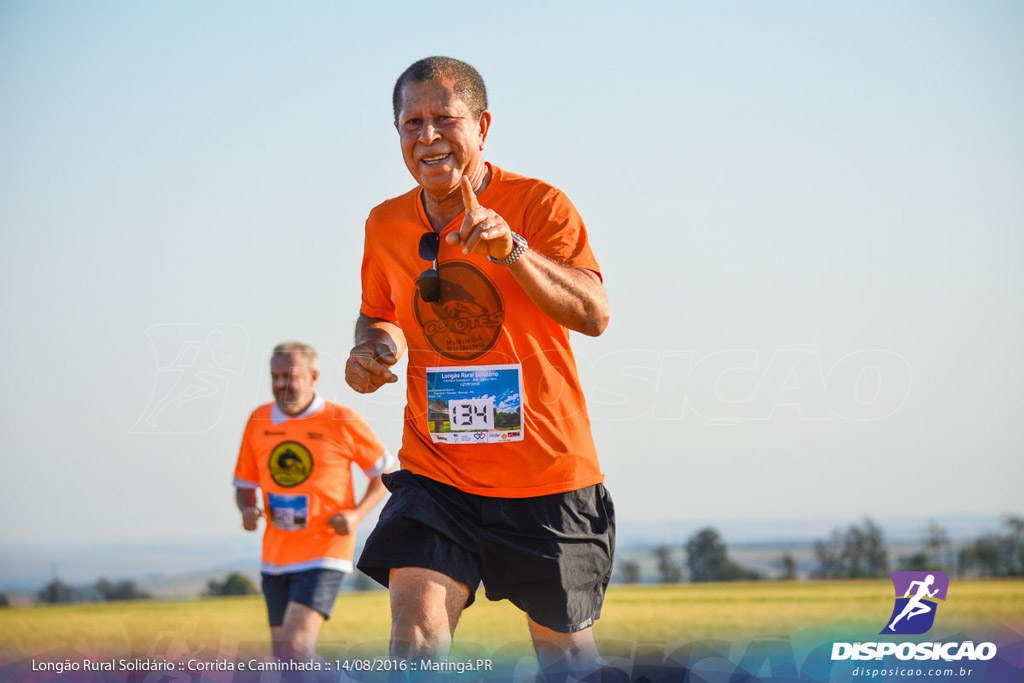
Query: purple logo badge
{"points": [[916, 595]]}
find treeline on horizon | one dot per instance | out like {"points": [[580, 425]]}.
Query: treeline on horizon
{"points": [[58, 592], [857, 552]]}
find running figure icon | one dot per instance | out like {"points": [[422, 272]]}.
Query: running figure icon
{"points": [[916, 605]]}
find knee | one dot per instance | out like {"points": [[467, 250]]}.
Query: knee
{"points": [[294, 645], [414, 638], [425, 607], [566, 652]]}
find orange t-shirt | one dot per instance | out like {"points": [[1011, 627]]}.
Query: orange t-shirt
{"points": [[486, 333], [303, 467]]}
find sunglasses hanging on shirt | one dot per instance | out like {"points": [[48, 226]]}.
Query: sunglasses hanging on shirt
{"points": [[429, 281]]}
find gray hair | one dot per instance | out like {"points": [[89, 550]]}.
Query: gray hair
{"points": [[307, 351]]}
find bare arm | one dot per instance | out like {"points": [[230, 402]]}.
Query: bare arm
{"points": [[572, 297], [345, 521], [245, 499], [378, 345]]}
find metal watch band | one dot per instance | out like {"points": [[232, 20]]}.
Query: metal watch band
{"points": [[519, 247]]}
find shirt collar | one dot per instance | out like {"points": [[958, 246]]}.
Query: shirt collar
{"points": [[278, 416]]}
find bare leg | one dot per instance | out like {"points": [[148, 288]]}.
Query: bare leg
{"points": [[425, 607], [295, 638], [565, 653]]}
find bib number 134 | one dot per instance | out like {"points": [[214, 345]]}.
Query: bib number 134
{"points": [[473, 413]]}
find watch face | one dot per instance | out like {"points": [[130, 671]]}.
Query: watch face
{"points": [[519, 245]]}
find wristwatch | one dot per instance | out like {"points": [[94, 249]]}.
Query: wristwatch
{"points": [[519, 247]]}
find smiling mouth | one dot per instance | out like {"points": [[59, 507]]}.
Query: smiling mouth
{"points": [[435, 159]]}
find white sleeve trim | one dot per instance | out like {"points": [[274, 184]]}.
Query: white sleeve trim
{"points": [[384, 464], [243, 484], [321, 563]]}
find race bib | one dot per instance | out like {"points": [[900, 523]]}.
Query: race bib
{"points": [[288, 512], [475, 404]]}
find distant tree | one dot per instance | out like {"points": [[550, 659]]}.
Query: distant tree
{"points": [[122, 590], [876, 556], [788, 564], [707, 559], [706, 555], [627, 571], [859, 552], [995, 554], [938, 550], [854, 552], [915, 562], [237, 583], [669, 570], [980, 558], [105, 588], [1013, 546], [936, 555], [830, 557], [55, 592], [4, 602]]}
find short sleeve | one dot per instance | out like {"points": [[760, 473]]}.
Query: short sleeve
{"points": [[366, 448], [376, 299], [246, 473], [556, 230]]}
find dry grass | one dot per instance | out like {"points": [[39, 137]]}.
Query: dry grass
{"points": [[694, 611], [360, 624]]}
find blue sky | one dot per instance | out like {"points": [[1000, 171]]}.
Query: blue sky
{"points": [[808, 215]]}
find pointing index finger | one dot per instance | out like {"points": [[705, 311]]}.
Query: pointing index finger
{"points": [[468, 196]]}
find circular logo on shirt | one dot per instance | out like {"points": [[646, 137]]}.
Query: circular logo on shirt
{"points": [[290, 464], [466, 322]]}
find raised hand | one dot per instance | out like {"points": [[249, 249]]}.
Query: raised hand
{"points": [[483, 230]]}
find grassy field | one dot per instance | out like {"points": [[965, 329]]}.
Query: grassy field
{"points": [[668, 614]]}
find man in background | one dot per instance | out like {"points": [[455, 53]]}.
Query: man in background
{"points": [[299, 451]]}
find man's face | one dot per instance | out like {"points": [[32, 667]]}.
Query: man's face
{"points": [[292, 381], [441, 138]]}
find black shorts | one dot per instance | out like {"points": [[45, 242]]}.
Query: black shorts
{"points": [[314, 588], [551, 556]]}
